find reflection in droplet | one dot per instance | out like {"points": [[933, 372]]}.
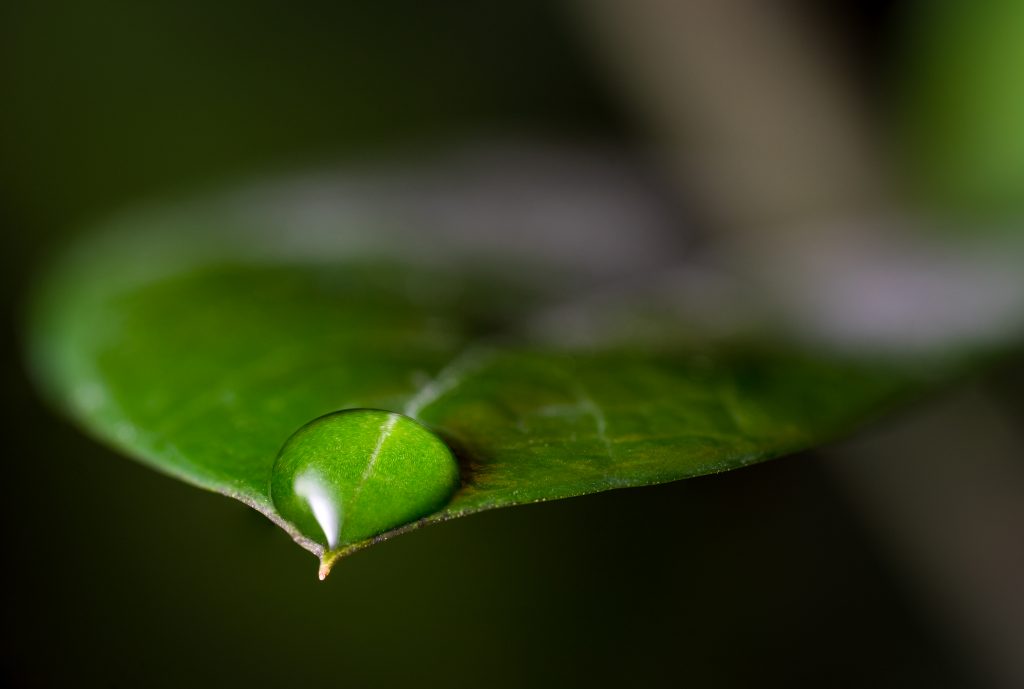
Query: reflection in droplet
{"points": [[328, 513]]}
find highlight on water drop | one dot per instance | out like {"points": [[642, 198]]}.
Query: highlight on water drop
{"points": [[353, 474]]}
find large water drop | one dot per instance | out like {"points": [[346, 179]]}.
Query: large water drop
{"points": [[357, 473]]}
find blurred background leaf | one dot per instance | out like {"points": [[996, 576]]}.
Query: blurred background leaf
{"points": [[958, 87]]}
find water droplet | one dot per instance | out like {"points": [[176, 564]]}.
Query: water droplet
{"points": [[356, 473]]}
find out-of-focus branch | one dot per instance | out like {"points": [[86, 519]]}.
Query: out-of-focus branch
{"points": [[749, 106], [943, 491]]}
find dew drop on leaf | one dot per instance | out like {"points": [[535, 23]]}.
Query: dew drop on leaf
{"points": [[353, 474]]}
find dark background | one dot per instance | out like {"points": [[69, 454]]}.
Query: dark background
{"points": [[119, 577]]}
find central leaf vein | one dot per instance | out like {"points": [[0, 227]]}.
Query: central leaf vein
{"points": [[447, 379]]}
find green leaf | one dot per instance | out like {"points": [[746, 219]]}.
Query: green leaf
{"points": [[198, 342], [962, 106]]}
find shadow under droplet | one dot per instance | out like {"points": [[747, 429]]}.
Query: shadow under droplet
{"points": [[469, 467]]}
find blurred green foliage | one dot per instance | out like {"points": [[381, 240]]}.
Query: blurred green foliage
{"points": [[963, 105]]}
